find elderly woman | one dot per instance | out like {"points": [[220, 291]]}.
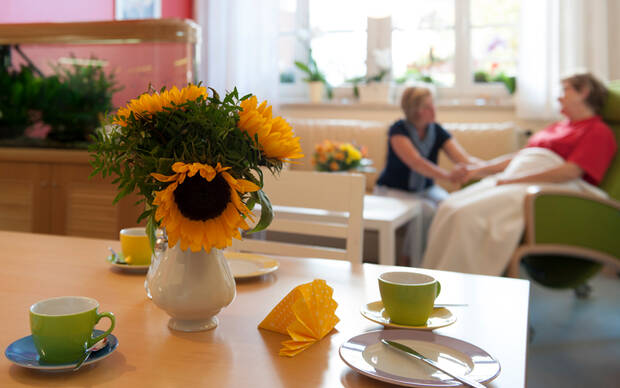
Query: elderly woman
{"points": [[413, 145], [477, 229]]}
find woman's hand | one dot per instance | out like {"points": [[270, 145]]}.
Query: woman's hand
{"points": [[466, 172], [472, 171], [501, 182], [458, 174]]}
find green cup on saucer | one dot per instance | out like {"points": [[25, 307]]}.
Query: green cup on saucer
{"points": [[408, 297], [62, 327]]}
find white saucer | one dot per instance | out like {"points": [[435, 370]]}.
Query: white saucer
{"points": [[249, 265], [440, 317]]}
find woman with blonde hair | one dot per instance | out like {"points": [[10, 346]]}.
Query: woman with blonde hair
{"points": [[413, 147]]}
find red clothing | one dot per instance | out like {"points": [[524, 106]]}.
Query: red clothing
{"points": [[588, 143]]}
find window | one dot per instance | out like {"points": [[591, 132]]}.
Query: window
{"points": [[464, 47]]}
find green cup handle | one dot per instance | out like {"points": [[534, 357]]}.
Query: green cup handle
{"points": [[110, 316], [438, 289]]}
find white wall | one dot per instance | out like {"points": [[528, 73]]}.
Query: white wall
{"points": [[614, 39]]}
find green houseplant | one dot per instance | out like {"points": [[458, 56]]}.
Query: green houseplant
{"points": [[19, 91], [315, 78], [510, 82], [74, 101]]}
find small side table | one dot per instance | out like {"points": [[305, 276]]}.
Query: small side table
{"points": [[385, 215]]}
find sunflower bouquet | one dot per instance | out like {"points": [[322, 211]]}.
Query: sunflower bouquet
{"points": [[197, 161], [335, 156]]}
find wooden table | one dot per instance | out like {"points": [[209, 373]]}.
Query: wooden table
{"points": [[236, 353]]}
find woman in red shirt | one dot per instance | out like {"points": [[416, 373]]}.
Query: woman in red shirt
{"points": [[476, 229], [584, 141]]}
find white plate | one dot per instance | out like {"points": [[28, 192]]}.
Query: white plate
{"points": [[366, 354], [249, 265], [440, 317]]}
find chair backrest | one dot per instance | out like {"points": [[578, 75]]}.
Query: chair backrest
{"points": [[313, 204], [611, 115]]}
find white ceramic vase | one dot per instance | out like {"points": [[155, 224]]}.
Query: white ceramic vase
{"points": [[192, 287]]}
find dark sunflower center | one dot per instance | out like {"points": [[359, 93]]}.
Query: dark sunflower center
{"points": [[200, 200]]}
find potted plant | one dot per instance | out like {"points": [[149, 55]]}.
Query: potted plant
{"points": [[197, 160], [332, 156], [315, 79], [376, 89], [74, 101], [509, 81], [413, 77], [18, 97]]}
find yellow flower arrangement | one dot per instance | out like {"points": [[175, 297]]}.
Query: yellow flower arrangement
{"points": [[196, 159], [335, 156]]}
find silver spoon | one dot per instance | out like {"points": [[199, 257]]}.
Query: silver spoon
{"points": [[98, 346], [115, 257]]}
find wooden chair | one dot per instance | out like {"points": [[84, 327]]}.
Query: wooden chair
{"points": [[313, 204]]}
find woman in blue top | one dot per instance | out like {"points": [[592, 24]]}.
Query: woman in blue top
{"points": [[411, 168]]}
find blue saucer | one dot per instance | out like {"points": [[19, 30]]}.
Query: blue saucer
{"points": [[23, 353]]}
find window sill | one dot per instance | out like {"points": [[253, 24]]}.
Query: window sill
{"points": [[481, 104]]}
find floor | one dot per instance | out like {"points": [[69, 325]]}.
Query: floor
{"points": [[575, 342]]}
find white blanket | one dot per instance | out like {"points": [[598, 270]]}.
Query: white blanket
{"points": [[477, 229]]}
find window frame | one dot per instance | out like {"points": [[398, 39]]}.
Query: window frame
{"points": [[464, 86]]}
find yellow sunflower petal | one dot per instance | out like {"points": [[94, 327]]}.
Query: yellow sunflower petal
{"points": [[207, 172], [164, 178], [180, 167]]}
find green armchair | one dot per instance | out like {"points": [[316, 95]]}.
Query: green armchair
{"points": [[570, 236]]}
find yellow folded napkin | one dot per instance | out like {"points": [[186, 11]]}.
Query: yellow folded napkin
{"points": [[306, 314]]}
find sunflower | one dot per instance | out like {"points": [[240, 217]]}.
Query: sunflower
{"points": [[275, 136], [201, 206], [148, 104]]}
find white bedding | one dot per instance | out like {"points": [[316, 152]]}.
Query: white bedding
{"points": [[477, 229]]}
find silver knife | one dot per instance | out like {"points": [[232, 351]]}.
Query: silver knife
{"points": [[410, 352]]}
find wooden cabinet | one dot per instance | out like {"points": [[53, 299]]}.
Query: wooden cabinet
{"points": [[49, 191]]}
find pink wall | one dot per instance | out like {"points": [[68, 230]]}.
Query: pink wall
{"points": [[40, 11], [183, 9]]}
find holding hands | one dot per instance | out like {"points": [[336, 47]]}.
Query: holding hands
{"points": [[458, 174], [463, 173], [480, 169]]}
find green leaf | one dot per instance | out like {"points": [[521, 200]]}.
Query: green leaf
{"points": [[266, 213], [303, 67], [150, 231]]}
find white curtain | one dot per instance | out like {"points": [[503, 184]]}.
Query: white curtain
{"points": [[240, 46], [558, 37]]}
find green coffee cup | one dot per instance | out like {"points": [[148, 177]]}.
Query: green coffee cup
{"points": [[408, 297], [62, 327]]}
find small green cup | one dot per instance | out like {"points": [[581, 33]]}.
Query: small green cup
{"points": [[62, 327], [408, 297]]}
